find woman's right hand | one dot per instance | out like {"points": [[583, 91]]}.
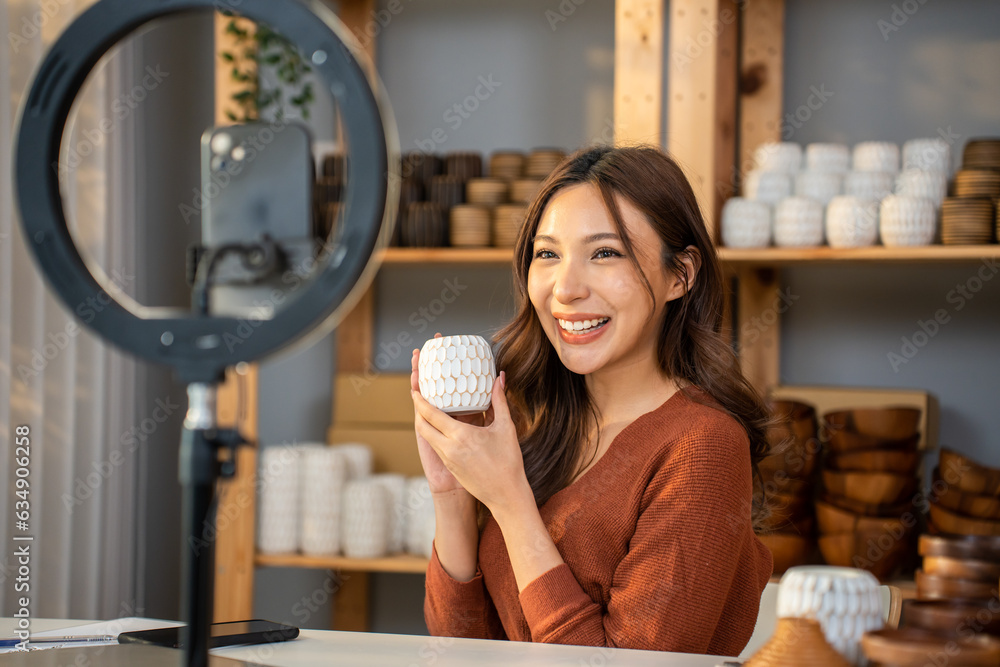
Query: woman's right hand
{"points": [[438, 476]]}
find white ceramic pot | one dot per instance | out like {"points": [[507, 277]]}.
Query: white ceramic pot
{"points": [[798, 223], [931, 185], [456, 373], [769, 187], [359, 459], [420, 521], [278, 509], [746, 223], [845, 601], [366, 519], [876, 156], [395, 486], [851, 222], [875, 185], [784, 157], [907, 221], [927, 155], [819, 185], [323, 474], [828, 157]]}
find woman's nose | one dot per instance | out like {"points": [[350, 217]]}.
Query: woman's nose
{"points": [[570, 283]]}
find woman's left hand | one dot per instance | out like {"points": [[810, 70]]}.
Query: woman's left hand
{"points": [[486, 460]]}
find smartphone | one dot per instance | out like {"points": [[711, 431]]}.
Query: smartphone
{"points": [[223, 634]]}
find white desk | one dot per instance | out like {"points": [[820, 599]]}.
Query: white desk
{"points": [[363, 649]]}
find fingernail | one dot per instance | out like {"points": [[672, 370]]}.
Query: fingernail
{"points": [[503, 380]]}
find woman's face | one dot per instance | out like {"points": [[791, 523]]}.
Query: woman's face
{"points": [[592, 305]]}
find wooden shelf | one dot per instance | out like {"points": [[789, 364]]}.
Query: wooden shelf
{"points": [[733, 256], [401, 563]]}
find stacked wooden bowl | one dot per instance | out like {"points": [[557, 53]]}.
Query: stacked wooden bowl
{"points": [[542, 161], [965, 497], [469, 226], [507, 222], [523, 190], [967, 220], [866, 516], [486, 191], [971, 216], [507, 165], [787, 476], [964, 570]]}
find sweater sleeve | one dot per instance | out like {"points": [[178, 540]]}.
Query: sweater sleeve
{"points": [[691, 540], [459, 609]]}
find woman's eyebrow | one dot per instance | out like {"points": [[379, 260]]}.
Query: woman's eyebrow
{"points": [[601, 236]]}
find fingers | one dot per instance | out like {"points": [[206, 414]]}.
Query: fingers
{"points": [[414, 371], [435, 417]]}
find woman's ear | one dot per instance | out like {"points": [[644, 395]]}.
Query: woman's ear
{"points": [[690, 259]]}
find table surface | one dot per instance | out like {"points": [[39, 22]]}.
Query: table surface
{"points": [[369, 649]]}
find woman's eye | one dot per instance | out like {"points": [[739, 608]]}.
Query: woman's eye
{"points": [[604, 253], [544, 254]]}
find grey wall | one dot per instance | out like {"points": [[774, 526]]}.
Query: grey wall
{"points": [[938, 71], [171, 121]]}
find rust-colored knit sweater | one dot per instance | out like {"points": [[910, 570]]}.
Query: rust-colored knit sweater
{"points": [[657, 541]]}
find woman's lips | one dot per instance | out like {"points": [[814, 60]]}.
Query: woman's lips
{"points": [[582, 338]]}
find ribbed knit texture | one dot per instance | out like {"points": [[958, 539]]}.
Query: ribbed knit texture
{"points": [[657, 541]]}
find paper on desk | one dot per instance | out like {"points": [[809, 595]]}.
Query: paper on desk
{"points": [[113, 627]]}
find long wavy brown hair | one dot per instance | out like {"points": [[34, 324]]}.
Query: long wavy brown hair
{"points": [[550, 404]]}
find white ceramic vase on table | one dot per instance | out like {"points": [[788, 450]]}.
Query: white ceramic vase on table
{"points": [[746, 223], [365, 521], [907, 221], [851, 222], [798, 223], [323, 473]]}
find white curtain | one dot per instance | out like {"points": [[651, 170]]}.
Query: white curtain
{"points": [[76, 396]]}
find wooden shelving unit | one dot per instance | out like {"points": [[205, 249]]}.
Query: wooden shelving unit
{"points": [[705, 104]]}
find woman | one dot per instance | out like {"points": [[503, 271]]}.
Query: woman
{"points": [[615, 460]]}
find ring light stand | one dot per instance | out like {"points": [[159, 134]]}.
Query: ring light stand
{"points": [[192, 342]]}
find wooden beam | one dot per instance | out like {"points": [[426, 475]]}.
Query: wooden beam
{"points": [[761, 76], [701, 104], [355, 336], [638, 87], [759, 310], [350, 607]]}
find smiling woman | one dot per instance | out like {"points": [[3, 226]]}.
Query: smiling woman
{"points": [[615, 463]]}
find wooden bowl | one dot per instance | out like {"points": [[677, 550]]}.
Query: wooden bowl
{"points": [[781, 482], [795, 462], [956, 524], [895, 510], [843, 442], [878, 552], [890, 423], [951, 617], [788, 550], [899, 461], [961, 568], [872, 488], [833, 520], [934, 587], [967, 547], [788, 506], [969, 504], [793, 420], [967, 475], [795, 642], [911, 647]]}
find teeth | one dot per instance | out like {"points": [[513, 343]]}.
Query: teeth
{"points": [[581, 325]]}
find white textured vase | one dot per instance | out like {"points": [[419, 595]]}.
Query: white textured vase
{"points": [[875, 185], [366, 519], [932, 154], [819, 185], [784, 157], [420, 521], [828, 157], [907, 221], [845, 601], [323, 473], [359, 459], [931, 185], [456, 373], [851, 222], [746, 223], [876, 156], [798, 223], [278, 510], [769, 187], [395, 486]]}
